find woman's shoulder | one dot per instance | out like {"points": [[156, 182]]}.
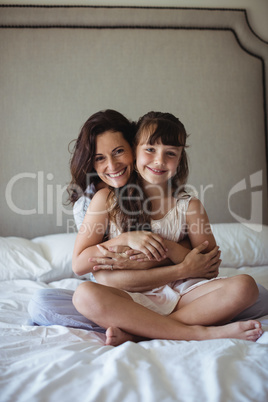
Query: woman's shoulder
{"points": [[99, 199]]}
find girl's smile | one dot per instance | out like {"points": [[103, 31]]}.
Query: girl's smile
{"points": [[157, 163]]}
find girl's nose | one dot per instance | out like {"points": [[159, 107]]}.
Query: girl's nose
{"points": [[160, 158]]}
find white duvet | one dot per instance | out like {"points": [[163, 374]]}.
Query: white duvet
{"points": [[65, 364]]}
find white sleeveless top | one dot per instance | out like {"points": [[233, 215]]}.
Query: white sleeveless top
{"points": [[81, 205], [172, 226]]}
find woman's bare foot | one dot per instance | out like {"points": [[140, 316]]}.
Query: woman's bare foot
{"points": [[116, 336], [247, 330]]}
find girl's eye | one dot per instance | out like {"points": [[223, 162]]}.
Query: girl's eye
{"points": [[150, 149], [171, 154]]}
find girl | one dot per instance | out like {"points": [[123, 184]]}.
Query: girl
{"points": [[183, 309]]}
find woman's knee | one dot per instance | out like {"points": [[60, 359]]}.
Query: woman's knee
{"points": [[87, 297], [246, 287]]}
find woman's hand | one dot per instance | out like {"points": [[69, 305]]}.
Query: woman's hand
{"points": [[203, 265], [115, 258]]}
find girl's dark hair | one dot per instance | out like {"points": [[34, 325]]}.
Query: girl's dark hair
{"points": [[131, 211], [82, 160], [170, 131]]}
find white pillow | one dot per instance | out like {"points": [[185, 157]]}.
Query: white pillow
{"points": [[21, 259], [242, 245], [58, 250]]}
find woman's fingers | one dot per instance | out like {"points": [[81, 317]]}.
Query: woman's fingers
{"points": [[99, 267]]}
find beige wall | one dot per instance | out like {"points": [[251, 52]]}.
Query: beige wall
{"points": [[257, 10]]}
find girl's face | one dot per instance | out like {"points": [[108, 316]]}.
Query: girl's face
{"points": [[113, 159], [157, 163]]}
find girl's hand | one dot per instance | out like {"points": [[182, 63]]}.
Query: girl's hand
{"points": [[122, 253], [148, 243], [116, 252], [203, 265]]}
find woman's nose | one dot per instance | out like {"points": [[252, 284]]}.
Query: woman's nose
{"points": [[111, 163]]}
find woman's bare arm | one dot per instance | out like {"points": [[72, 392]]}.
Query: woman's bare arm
{"points": [[196, 264]]}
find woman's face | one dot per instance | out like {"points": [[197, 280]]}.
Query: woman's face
{"points": [[113, 160]]}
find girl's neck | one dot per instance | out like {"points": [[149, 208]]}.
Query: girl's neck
{"points": [[161, 199], [153, 190]]}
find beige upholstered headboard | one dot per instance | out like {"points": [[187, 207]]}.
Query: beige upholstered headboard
{"points": [[61, 64]]}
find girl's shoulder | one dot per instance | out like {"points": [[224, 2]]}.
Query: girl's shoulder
{"points": [[187, 202]]}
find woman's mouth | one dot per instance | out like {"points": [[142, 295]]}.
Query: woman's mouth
{"points": [[117, 174]]}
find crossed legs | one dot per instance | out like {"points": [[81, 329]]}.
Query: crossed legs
{"points": [[207, 305]]}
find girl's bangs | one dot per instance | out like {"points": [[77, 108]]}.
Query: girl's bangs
{"points": [[165, 132]]}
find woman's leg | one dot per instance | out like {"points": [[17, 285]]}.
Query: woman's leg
{"points": [[258, 309], [114, 309], [217, 302], [55, 307]]}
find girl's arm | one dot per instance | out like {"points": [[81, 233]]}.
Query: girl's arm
{"points": [[93, 229], [199, 229]]}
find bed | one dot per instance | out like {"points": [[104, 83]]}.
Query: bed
{"points": [[58, 66]]}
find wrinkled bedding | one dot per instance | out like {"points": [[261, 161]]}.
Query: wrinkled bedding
{"points": [[58, 363]]}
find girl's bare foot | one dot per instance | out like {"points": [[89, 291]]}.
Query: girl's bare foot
{"points": [[246, 330], [116, 336]]}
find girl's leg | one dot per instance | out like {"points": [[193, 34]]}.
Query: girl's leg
{"points": [[217, 302], [115, 310]]}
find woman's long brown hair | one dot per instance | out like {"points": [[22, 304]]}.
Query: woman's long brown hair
{"points": [[82, 160]]}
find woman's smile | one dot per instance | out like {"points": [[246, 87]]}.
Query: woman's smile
{"points": [[117, 174]]}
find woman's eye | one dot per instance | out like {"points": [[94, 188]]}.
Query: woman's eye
{"points": [[119, 151], [98, 158]]}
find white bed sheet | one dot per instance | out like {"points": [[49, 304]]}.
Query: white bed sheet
{"points": [[65, 364]]}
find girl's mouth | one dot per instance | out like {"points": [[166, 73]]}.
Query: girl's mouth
{"points": [[156, 171], [116, 175]]}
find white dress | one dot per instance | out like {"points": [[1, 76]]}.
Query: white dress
{"points": [[172, 226]]}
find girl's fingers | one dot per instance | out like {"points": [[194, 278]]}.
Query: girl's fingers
{"points": [[103, 250], [119, 249], [131, 252]]}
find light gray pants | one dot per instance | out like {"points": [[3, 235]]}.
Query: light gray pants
{"points": [[55, 307]]}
